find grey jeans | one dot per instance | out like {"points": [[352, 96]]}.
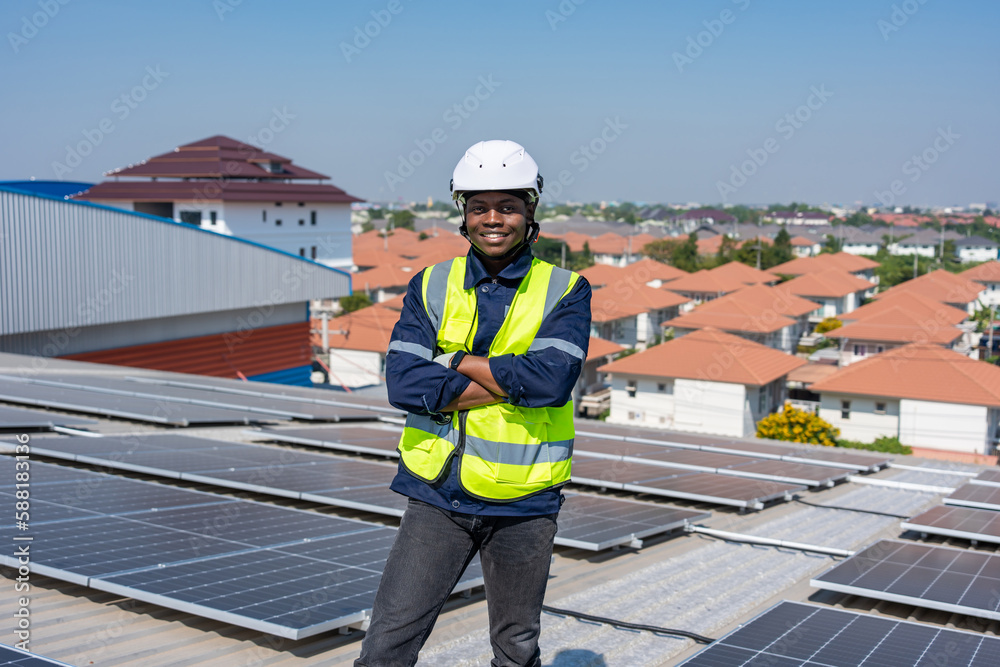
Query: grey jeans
{"points": [[431, 551]]}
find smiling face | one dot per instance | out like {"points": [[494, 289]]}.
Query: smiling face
{"points": [[497, 222]]}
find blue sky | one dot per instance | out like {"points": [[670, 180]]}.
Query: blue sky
{"points": [[743, 101]]}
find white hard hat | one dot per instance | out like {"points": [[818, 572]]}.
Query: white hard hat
{"points": [[490, 166]]}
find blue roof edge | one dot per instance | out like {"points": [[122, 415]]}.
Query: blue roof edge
{"points": [[155, 218]]}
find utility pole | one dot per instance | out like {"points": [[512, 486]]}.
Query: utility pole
{"points": [[562, 252], [915, 255]]}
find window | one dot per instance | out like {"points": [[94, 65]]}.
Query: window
{"points": [[277, 222], [879, 349], [312, 218], [879, 408], [314, 252], [213, 216], [845, 409], [302, 252], [301, 222], [264, 215], [302, 203], [860, 350], [190, 217], [630, 388], [665, 387], [277, 203], [661, 387]]}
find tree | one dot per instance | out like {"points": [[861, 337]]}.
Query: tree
{"points": [[828, 324], [832, 244], [796, 425], [403, 219], [352, 302], [685, 255], [781, 250], [376, 214]]}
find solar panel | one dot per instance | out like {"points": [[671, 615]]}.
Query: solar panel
{"points": [[275, 406], [319, 478], [989, 477], [284, 571], [127, 407], [962, 522], [15, 657], [982, 496], [689, 485], [795, 634], [596, 523], [935, 577], [22, 418], [356, 439]]}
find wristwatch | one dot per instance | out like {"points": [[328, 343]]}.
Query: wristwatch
{"points": [[456, 359]]}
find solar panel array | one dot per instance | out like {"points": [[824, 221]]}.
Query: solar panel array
{"points": [[586, 522], [357, 440], [962, 522], [284, 571], [810, 454], [982, 496], [794, 634], [936, 577], [23, 418], [15, 657], [686, 484], [990, 477]]}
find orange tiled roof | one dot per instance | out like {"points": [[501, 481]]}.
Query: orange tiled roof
{"points": [[988, 272], [743, 273], [921, 372], [705, 282], [627, 298], [710, 355], [385, 276], [803, 242], [600, 275], [811, 373], [841, 261], [826, 284], [367, 330], [940, 285], [761, 300], [730, 321], [921, 307], [896, 325], [601, 348], [646, 270]]}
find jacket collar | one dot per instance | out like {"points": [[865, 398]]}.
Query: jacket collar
{"points": [[476, 273]]}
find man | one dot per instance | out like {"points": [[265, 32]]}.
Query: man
{"points": [[484, 358]]}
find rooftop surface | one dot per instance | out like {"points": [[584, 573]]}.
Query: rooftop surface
{"points": [[687, 581]]}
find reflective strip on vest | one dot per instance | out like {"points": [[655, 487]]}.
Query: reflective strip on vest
{"points": [[510, 452]]}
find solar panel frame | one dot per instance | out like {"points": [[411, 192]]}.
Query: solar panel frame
{"points": [[967, 523], [596, 523], [317, 437], [961, 581], [987, 477], [797, 634], [12, 418], [980, 496], [15, 657]]}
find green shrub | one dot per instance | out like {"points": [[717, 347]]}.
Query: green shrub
{"points": [[886, 444]]}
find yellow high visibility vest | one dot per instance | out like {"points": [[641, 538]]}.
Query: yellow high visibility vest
{"points": [[505, 452]]}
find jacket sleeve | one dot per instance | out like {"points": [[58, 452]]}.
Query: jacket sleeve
{"points": [[414, 382], [546, 374]]}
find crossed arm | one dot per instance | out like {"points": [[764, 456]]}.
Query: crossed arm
{"points": [[482, 390]]}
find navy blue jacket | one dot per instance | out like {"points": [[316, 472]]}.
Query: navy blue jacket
{"points": [[542, 378]]}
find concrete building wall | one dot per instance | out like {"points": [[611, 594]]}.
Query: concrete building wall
{"points": [[685, 405], [863, 421], [355, 368], [949, 426]]}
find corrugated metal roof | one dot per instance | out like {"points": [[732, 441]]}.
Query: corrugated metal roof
{"points": [[71, 264]]}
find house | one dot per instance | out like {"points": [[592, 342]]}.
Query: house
{"points": [[628, 312], [924, 309], [592, 395], [805, 247], [703, 285], [690, 220], [645, 271], [798, 217], [771, 316], [747, 275], [975, 249], [232, 188], [857, 241], [923, 242], [987, 275], [705, 382], [925, 395], [944, 286], [356, 344], [837, 292], [860, 267], [890, 328]]}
